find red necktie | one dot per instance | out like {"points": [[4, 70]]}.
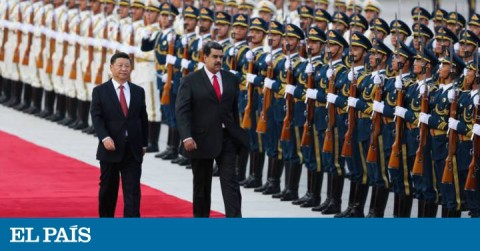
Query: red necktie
{"points": [[123, 101], [216, 87]]}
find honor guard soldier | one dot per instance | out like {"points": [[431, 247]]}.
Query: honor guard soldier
{"points": [[340, 6], [358, 23], [4, 81], [468, 44], [421, 36], [222, 27], [456, 22], [418, 138], [372, 9], [354, 6], [246, 7], [266, 10], [341, 22], [232, 7], [370, 89], [255, 56], [332, 77], [160, 43], [421, 15], [219, 5], [322, 4], [379, 29], [306, 20], [437, 121], [440, 17], [321, 19], [266, 123], [236, 62], [399, 30], [311, 149], [399, 172], [474, 24]]}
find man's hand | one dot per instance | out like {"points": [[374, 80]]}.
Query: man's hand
{"points": [[108, 144], [189, 145]]}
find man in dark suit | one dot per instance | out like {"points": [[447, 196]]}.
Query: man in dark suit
{"points": [[209, 126], [120, 120]]}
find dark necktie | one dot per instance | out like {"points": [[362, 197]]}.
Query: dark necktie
{"points": [[216, 87], [123, 101]]}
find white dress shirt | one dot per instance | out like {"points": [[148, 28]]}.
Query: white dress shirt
{"points": [[219, 78], [126, 91]]}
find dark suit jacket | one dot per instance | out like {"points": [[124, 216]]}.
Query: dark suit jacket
{"points": [[109, 121], [200, 114]]}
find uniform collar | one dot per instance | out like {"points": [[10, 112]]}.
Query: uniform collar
{"points": [[316, 57], [224, 41], [446, 87], [336, 61], [276, 50], [473, 93], [358, 68], [166, 31], [255, 50], [237, 44]]}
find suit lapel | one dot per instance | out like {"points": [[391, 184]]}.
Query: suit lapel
{"points": [[113, 95], [209, 85]]}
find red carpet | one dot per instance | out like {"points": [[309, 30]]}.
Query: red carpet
{"points": [[38, 182]]}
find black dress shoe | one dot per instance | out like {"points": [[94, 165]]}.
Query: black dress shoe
{"points": [[345, 214], [175, 161], [289, 196], [164, 153], [332, 208], [171, 156], [312, 202], [279, 195], [245, 181], [152, 148], [271, 189], [253, 183], [184, 162], [262, 188], [188, 167], [322, 206], [302, 200]]}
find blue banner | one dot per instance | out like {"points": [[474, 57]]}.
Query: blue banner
{"points": [[238, 234]]}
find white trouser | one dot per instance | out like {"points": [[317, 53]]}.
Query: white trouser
{"points": [[45, 77], [144, 76], [67, 81]]}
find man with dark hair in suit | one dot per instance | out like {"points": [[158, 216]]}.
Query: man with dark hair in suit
{"points": [[209, 126], [119, 117]]}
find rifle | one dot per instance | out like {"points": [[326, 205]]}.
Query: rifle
{"points": [[247, 119], [5, 32], [165, 99], [214, 30], [267, 94], [328, 141], [16, 53], [394, 162], [53, 42], [372, 155], [185, 46], [73, 70], [132, 43], [61, 66], [43, 40], [347, 143], [287, 121], [98, 78], [26, 55], [307, 127], [87, 78]]}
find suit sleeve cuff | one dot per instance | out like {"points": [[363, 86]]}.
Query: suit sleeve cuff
{"points": [[108, 137], [189, 138]]}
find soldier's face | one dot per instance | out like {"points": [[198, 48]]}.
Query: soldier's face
{"points": [[240, 32], [293, 42], [137, 13], [233, 10], [267, 16], [417, 66], [206, 3], [205, 25], [95, 6], [123, 11], [223, 30], [71, 4], [358, 29], [213, 62], [164, 21], [82, 4], [152, 16], [323, 6], [334, 49], [58, 2], [393, 37], [121, 69], [276, 40], [322, 25], [219, 7], [245, 11], [108, 8], [444, 71], [474, 29], [398, 62], [444, 45], [190, 24], [372, 57], [417, 40], [315, 47], [257, 36], [310, 3], [469, 79], [453, 27], [305, 23], [370, 14], [339, 27], [358, 53]]}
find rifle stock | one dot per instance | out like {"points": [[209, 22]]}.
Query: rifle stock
{"points": [[87, 78], [16, 53], [267, 100], [419, 155], [471, 182], [73, 71], [328, 142], [165, 99], [447, 177], [26, 55], [53, 42], [247, 119], [347, 143], [43, 43], [287, 120], [60, 70], [307, 127], [99, 76], [5, 34], [394, 161], [372, 155]]}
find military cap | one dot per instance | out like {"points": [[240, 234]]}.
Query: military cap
{"points": [[340, 3], [342, 18], [372, 5], [401, 26], [456, 17], [305, 11], [380, 25], [335, 38], [108, 1], [241, 20], [469, 37], [220, 1], [405, 51], [457, 62], [472, 65], [446, 33], [124, 3], [428, 56], [359, 20], [267, 6], [232, 3], [322, 15], [259, 24], [357, 3], [474, 20], [276, 28], [316, 34], [206, 13], [322, 1], [422, 12], [358, 39], [169, 9], [190, 11], [294, 31], [138, 4], [422, 30], [222, 17], [379, 46], [246, 4], [153, 5], [440, 15]]}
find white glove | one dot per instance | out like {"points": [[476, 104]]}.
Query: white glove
{"points": [[331, 98], [456, 47], [185, 63], [200, 65], [377, 79], [164, 78], [352, 102], [434, 44], [398, 83], [97, 43], [234, 72], [422, 88], [268, 59], [231, 52], [312, 94], [170, 59], [475, 100], [453, 123], [200, 44], [309, 68], [424, 117], [378, 106], [289, 89], [267, 83], [287, 64], [465, 70], [329, 73], [184, 41], [451, 95], [249, 55], [146, 33], [476, 129], [400, 112], [250, 77], [351, 75], [170, 36]]}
